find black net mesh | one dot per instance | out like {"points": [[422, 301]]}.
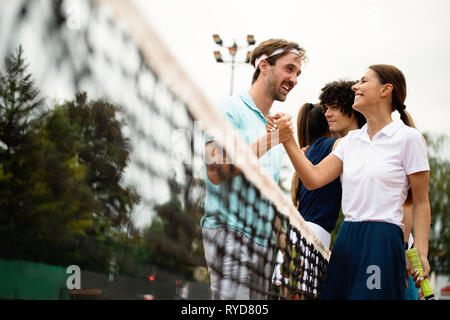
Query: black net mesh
{"points": [[130, 220]]}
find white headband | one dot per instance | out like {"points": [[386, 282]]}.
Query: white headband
{"points": [[278, 51]]}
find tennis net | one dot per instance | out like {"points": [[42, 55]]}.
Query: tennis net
{"points": [[107, 49]]}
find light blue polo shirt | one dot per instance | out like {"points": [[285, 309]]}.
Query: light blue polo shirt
{"points": [[243, 114]]}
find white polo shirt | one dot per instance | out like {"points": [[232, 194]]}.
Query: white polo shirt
{"points": [[375, 173]]}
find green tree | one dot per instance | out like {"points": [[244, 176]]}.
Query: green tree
{"points": [[174, 236], [21, 107], [91, 132], [36, 221], [439, 243], [62, 198], [95, 134]]}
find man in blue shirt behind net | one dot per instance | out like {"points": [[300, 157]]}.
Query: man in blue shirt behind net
{"points": [[277, 65]]}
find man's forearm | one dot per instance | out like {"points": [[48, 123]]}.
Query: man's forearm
{"points": [[218, 168], [261, 146], [220, 172]]}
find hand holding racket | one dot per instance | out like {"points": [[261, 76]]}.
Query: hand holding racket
{"points": [[416, 266]]}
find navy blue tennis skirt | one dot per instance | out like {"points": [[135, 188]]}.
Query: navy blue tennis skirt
{"points": [[367, 263]]}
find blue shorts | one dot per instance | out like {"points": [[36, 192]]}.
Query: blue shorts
{"points": [[367, 263]]}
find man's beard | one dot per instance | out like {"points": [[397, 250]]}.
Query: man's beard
{"points": [[274, 88]]}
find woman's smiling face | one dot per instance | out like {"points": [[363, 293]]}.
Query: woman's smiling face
{"points": [[367, 90]]}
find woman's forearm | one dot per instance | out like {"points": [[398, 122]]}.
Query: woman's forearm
{"points": [[421, 226], [407, 221], [304, 168], [313, 176]]}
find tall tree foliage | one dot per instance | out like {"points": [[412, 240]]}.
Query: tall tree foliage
{"points": [[439, 251], [21, 108], [174, 237], [62, 198]]}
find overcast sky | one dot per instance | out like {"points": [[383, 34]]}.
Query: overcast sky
{"points": [[341, 38]]}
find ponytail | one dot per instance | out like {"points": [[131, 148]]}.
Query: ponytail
{"points": [[406, 117], [295, 184], [311, 125], [407, 120], [392, 75]]}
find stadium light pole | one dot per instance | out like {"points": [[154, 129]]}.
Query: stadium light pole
{"points": [[232, 51]]}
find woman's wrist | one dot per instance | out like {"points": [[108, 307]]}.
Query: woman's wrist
{"points": [[290, 142]]}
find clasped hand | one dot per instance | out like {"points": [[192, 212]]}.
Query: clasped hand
{"points": [[281, 124]]}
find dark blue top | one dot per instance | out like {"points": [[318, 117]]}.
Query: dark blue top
{"points": [[320, 206]]}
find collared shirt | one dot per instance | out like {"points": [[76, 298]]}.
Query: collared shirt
{"points": [[243, 114], [375, 172]]}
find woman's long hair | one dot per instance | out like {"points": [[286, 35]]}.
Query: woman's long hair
{"points": [[311, 125], [390, 74]]}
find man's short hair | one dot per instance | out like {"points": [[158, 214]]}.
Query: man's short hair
{"points": [[268, 47], [340, 93]]}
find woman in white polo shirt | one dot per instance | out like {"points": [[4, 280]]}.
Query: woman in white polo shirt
{"points": [[377, 164]]}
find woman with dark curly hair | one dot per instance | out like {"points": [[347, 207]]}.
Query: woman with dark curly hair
{"points": [[377, 165]]}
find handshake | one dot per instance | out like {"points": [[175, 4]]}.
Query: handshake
{"points": [[280, 125]]}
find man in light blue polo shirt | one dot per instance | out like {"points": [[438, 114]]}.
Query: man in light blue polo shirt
{"points": [[277, 66]]}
